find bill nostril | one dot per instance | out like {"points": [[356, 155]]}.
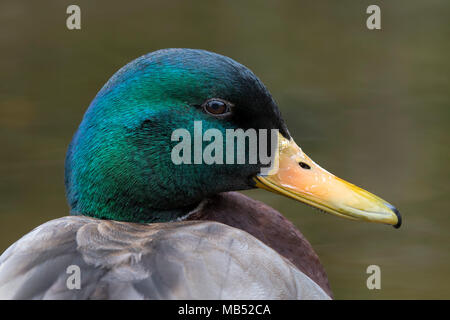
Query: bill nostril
{"points": [[304, 165]]}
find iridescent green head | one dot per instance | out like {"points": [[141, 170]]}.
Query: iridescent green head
{"points": [[119, 164]]}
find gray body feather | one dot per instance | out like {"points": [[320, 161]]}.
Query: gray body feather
{"points": [[176, 260]]}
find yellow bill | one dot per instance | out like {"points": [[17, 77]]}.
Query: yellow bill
{"points": [[296, 176]]}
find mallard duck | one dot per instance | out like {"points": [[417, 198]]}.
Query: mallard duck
{"points": [[144, 227]]}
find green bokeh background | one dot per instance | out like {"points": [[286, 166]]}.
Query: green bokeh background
{"points": [[370, 106]]}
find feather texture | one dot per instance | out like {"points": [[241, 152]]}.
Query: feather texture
{"points": [[177, 260]]}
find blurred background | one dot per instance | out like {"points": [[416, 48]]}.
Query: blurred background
{"points": [[372, 107]]}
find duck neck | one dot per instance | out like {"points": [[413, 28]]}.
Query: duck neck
{"points": [[137, 213], [118, 185]]}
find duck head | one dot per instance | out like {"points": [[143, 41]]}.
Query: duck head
{"points": [[120, 164]]}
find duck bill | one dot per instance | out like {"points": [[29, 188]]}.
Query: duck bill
{"points": [[296, 176]]}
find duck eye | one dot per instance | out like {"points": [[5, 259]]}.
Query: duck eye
{"points": [[216, 107]]}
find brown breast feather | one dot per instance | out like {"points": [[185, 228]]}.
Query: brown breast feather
{"points": [[267, 225]]}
